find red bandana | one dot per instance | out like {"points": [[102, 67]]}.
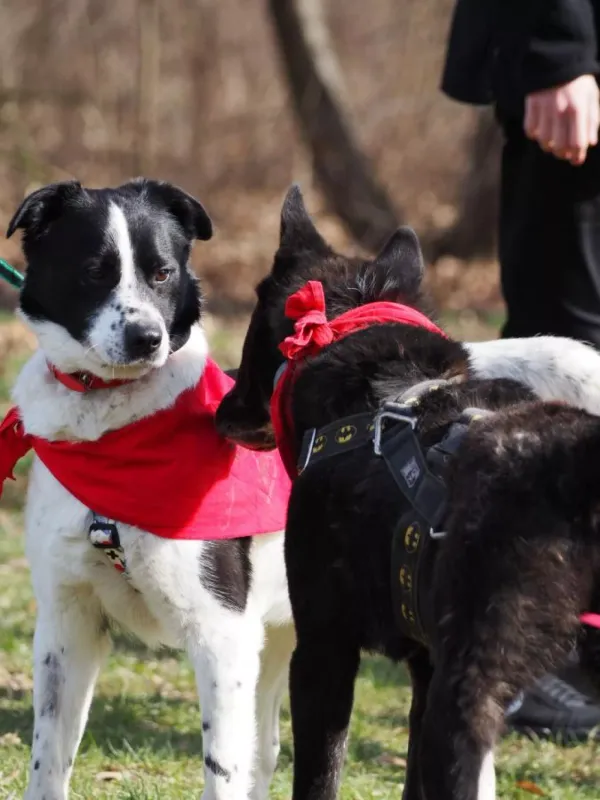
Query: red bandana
{"points": [[312, 332], [170, 474]]}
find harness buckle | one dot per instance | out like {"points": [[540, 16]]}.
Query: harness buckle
{"points": [[308, 441], [389, 411], [433, 534]]}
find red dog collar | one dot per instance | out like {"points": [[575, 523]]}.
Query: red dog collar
{"points": [[83, 381], [312, 332]]}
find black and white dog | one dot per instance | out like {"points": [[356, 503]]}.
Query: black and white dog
{"points": [[520, 557], [109, 293]]}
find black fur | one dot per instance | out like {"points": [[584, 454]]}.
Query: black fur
{"points": [[217, 769], [53, 681], [520, 562], [226, 570]]}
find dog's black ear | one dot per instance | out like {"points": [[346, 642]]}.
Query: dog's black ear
{"points": [[297, 230], [401, 261], [188, 211], [42, 207]]}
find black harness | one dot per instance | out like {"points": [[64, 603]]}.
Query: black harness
{"points": [[391, 434]]}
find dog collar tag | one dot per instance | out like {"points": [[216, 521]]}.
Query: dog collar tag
{"points": [[104, 535]]}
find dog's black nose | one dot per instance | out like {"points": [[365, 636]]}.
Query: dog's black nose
{"points": [[142, 339]]}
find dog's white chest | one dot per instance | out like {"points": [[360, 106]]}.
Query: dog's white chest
{"points": [[59, 551]]}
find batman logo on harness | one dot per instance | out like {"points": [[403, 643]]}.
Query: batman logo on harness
{"points": [[345, 434]]}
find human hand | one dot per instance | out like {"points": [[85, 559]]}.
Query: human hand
{"points": [[564, 120]]}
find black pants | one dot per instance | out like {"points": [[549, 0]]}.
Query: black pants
{"points": [[549, 240]]}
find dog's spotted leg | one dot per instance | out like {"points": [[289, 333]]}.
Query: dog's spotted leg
{"points": [[226, 658], [70, 644], [274, 669]]}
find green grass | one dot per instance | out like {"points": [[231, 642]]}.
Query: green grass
{"points": [[143, 739]]}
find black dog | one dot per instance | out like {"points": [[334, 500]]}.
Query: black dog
{"points": [[501, 593]]}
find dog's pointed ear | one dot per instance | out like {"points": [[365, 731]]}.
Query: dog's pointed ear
{"points": [[42, 207], [401, 260], [189, 212], [297, 230]]}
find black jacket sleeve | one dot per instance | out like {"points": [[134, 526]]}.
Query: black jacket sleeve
{"points": [[562, 45], [467, 69], [501, 50]]}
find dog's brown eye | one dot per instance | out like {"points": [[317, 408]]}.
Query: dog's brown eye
{"points": [[161, 275]]}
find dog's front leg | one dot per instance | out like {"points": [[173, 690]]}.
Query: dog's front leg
{"points": [[70, 644], [226, 657], [273, 681], [322, 676]]}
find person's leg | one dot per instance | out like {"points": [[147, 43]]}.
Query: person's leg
{"points": [[528, 268], [549, 243]]}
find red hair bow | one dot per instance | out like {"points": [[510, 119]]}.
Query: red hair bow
{"points": [[313, 331]]}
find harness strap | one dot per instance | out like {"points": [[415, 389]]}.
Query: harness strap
{"points": [[358, 430], [340, 436], [440, 454], [391, 433], [408, 551], [404, 457], [410, 554]]}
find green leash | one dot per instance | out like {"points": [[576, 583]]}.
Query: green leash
{"points": [[10, 274]]}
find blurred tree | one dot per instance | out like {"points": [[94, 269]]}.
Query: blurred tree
{"points": [[148, 85], [317, 94], [474, 233]]}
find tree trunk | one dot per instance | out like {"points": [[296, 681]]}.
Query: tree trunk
{"points": [[475, 231], [316, 89], [148, 83]]}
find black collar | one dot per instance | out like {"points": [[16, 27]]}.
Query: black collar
{"points": [[366, 428]]}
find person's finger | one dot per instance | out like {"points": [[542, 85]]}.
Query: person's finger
{"points": [[577, 133], [545, 127], [593, 121], [532, 117], [558, 140], [576, 157]]}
